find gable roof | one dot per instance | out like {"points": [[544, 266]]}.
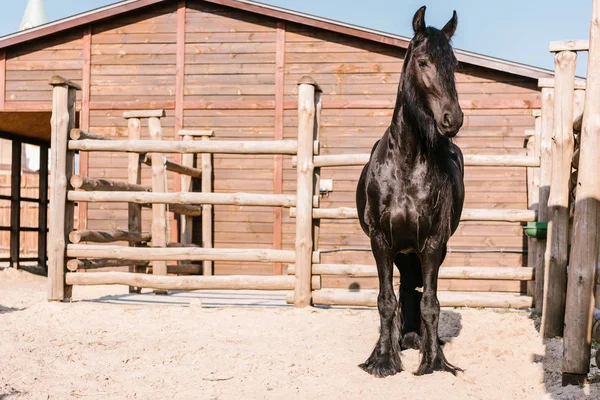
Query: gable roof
{"points": [[274, 12]]}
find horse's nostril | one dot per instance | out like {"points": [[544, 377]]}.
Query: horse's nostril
{"points": [[446, 121]]}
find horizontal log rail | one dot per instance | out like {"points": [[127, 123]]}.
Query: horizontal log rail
{"points": [[183, 254], [481, 273], [181, 209], [468, 214], [174, 167], [204, 146], [236, 199], [74, 265], [471, 160], [230, 282], [78, 134], [368, 298], [105, 185], [108, 236]]}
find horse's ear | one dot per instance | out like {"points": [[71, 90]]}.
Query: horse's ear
{"points": [[450, 27], [419, 20]]}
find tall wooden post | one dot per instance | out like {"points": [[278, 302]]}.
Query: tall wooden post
{"points": [[304, 191], [555, 278], [547, 127], [159, 211], [15, 203], [43, 209], [584, 250], [134, 176], [61, 211], [207, 209]]}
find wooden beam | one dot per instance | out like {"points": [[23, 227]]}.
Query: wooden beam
{"points": [[478, 160], [106, 185], [557, 246], [480, 273], [237, 199], [108, 236], [181, 209], [186, 222], [183, 254], [195, 132], [175, 167], [468, 214], [584, 248], [368, 298], [82, 134], [569, 45], [144, 114], [549, 83], [57, 80], [215, 147], [278, 159], [74, 265], [231, 282]]}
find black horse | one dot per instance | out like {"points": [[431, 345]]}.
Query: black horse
{"points": [[409, 198]]}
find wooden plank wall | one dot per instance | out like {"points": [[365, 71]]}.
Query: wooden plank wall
{"points": [[232, 63]]}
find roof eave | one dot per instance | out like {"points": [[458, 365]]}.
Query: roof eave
{"points": [[274, 12]]}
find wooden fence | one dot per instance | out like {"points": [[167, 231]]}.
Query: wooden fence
{"points": [[149, 251], [569, 200]]}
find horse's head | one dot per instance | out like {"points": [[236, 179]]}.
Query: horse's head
{"points": [[429, 70]]}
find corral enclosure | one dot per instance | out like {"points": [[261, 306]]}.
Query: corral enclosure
{"points": [[241, 68]]}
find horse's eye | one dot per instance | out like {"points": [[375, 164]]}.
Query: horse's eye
{"points": [[422, 63]]}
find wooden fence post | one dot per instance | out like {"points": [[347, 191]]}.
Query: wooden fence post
{"points": [[547, 126], [134, 176], [584, 250], [159, 211], [304, 191], [317, 173], [186, 222], [555, 271], [207, 209], [533, 193], [61, 211]]}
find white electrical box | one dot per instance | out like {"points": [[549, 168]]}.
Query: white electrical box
{"points": [[326, 185]]}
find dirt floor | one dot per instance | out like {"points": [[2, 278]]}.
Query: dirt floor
{"points": [[211, 346]]}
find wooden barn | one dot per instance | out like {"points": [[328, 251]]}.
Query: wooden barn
{"points": [[232, 66]]}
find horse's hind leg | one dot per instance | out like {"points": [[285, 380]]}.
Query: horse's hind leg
{"points": [[432, 358], [385, 358], [411, 278]]}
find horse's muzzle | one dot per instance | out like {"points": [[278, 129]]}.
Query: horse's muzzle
{"points": [[451, 123]]}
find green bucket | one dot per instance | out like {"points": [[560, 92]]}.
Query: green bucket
{"points": [[536, 229]]}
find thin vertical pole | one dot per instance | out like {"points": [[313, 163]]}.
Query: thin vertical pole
{"points": [[15, 203], [134, 176], [43, 208]]}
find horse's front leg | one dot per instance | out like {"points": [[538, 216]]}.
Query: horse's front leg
{"points": [[385, 358], [432, 356]]}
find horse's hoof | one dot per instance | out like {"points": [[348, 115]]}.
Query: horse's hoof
{"points": [[382, 365], [411, 340], [437, 364]]}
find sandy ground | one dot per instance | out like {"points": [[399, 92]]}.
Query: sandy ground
{"points": [[150, 349]]}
